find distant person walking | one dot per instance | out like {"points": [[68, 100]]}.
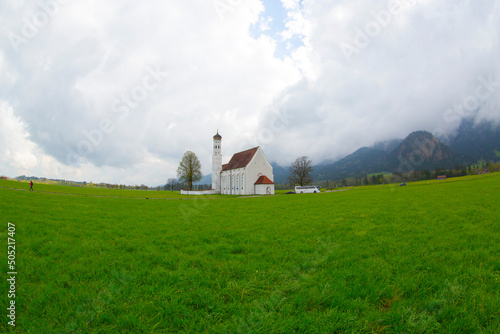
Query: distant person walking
{"points": [[31, 185]]}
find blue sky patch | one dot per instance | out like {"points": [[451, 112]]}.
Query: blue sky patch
{"points": [[272, 22]]}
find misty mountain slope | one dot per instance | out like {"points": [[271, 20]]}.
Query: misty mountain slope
{"points": [[205, 179], [365, 160], [479, 141], [421, 150], [388, 145], [281, 174]]}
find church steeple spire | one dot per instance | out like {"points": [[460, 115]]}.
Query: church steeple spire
{"points": [[217, 136]]}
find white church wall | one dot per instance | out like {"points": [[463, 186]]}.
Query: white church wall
{"points": [[264, 189], [233, 182], [259, 165], [224, 176], [240, 182]]}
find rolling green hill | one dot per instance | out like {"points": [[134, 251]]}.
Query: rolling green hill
{"points": [[380, 259]]}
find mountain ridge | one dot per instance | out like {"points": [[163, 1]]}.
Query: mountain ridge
{"points": [[419, 150]]}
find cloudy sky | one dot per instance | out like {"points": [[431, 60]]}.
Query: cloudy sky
{"points": [[117, 91]]}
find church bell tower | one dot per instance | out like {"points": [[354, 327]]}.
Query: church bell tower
{"points": [[216, 162]]}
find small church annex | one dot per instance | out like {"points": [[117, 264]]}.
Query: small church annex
{"points": [[247, 173]]}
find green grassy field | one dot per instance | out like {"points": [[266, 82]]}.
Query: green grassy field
{"points": [[87, 191], [424, 258]]}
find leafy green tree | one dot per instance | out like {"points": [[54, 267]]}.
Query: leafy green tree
{"points": [[189, 169], [300, 171]]}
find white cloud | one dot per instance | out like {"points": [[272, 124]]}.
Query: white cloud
{"points": [[16, 147], [296, 24], [265, 24], [291, 4]]}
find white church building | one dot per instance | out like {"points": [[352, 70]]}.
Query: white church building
{"points": [[247, 173]]}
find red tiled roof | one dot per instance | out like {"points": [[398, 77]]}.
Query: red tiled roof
{"points": [[263, 180], [241, 159]]}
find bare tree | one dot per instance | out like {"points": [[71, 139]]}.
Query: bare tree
{"points": [[189, 169], [171, 184], [300, 171]]}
